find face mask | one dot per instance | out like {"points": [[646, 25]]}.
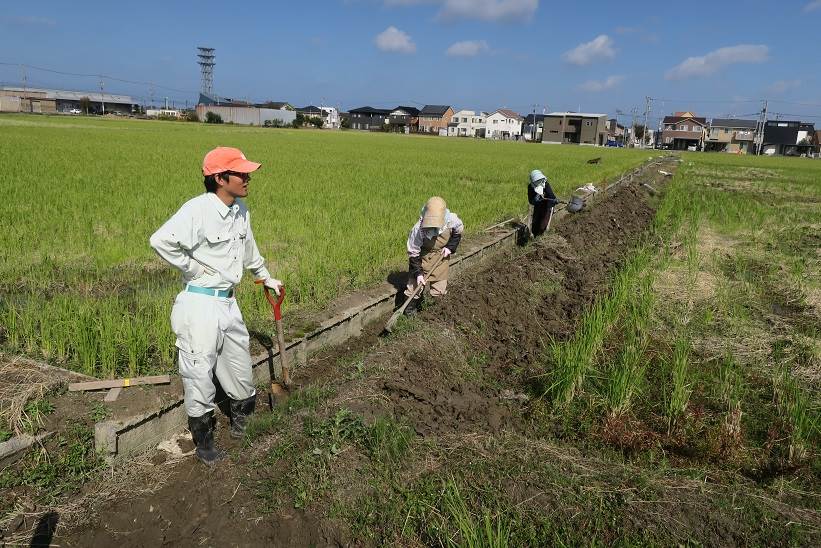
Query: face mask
{"points": [[539, 189]]}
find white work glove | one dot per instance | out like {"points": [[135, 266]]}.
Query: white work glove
{"points": [[420, 280], [446, 252], [273, 283]]}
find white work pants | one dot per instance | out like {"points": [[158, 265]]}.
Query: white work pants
{"points": [[212, 340]]}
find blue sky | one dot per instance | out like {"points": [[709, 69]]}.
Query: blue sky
{"points": [[715, 58]]}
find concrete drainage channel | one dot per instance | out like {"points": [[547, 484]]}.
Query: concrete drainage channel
{"points": [[124, 437]]}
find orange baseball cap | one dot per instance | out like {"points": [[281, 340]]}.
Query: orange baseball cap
{"points": [[223, 159]]}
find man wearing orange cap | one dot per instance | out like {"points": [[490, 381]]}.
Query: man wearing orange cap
{"points": [[436, 234], [209, 240]]}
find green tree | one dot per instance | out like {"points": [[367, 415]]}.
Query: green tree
{"points": [[212, 118], [85, 104]]}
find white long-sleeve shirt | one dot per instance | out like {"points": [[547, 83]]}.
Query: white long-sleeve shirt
{"points": [[210, 243], [415, 238]]}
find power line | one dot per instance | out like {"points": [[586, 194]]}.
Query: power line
{"points": [[105, 76]]}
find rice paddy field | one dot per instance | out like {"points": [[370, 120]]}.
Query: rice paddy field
{"points": [[81, 288]]}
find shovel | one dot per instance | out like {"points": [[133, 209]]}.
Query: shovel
{"points": [[279, 391], [401, 310]]}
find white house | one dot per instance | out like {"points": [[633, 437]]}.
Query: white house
{"points": [[503, 124], [330, 117], [466, 123]]}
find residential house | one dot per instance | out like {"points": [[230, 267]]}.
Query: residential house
{"points": [[435, 119], [579, 128], [404, 119], [532, 127], [730, 135], [781, 137], [466, 123], [817, 141], [806, 134], [310, 111], [503, 124], [615, 131], [369, 118], [329, 115], [276, 105], [683, 130]]}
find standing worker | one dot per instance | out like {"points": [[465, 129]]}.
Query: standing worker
{"points": [[541, 197], [209, 240], [436, 234]]}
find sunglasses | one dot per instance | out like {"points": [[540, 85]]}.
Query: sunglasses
{"points": [[243, 176]]}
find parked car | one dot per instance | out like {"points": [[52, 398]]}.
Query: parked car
{"points": [[75, 111]]}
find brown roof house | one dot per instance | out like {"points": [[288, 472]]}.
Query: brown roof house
{"points": [[683, 130], [435, 119], [503, 124]]}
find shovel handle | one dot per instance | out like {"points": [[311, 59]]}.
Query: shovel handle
{"points": [[276, 304]]}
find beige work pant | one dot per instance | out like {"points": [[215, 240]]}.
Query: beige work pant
{"points": [[212, 340], [437, 280]]}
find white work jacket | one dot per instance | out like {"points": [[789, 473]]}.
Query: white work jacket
{"points": [[210, 243]]}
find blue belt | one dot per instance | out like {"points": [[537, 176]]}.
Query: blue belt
{"points": [[224, 293]]}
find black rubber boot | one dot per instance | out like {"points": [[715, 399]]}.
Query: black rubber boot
{"points": [[202, 430], [241, 410], [414, 305]]}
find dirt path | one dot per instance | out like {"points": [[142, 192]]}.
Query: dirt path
{"points": [[460, 369]]}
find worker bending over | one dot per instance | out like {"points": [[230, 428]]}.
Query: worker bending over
{"points": [[209, 240], [435, 235], [541, 197]]}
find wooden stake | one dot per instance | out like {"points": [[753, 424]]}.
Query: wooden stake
{"points": [[113, 394]]}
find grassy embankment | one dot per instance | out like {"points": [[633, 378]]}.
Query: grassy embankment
{"points": [[684, 409], [80, 287]]}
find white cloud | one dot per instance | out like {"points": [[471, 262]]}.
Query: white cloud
{"points": [[598, 49], [488, 10], [468, 48], [394, 40], [711, 63], [595, 85], [781, 86], [812, 6]]}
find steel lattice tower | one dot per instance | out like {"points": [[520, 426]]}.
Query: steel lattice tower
{"points": [[206, 63]]}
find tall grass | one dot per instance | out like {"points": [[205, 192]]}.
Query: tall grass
{"points": [[626, 374], [801, 419], [485, 531], [571, 360], [681, 384]]}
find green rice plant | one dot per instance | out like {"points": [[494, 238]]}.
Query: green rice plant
{"points": [[571, 360], [152, 171], [681, 388], [801, 418], [485, 531], [107, 324], [626, 374]]}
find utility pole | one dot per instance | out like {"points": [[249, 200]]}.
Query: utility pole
{"points": [[102, 99], [646, 113], [762, 123], [533, 126], [633, 112]]}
